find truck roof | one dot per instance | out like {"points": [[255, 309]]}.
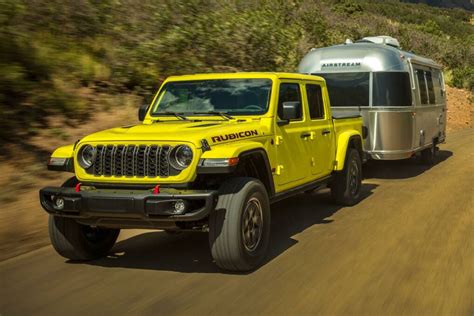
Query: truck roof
{"points": [[245, 75]]}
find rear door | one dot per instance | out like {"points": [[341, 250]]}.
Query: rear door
{"points": [[440, 95], [320, 142], [426, 119], [292, 153]]}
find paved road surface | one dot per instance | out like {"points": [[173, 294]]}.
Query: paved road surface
{"points": [[407, 248]]}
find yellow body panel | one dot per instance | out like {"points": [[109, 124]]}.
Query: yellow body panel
{"points": [[64, 152], [287, 155], [233, 150], [345, 129]]}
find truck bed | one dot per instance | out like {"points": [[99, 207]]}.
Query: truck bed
{"points": [[342, 124]]}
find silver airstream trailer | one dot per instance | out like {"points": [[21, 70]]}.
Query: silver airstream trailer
{"points": [[401, 96]]}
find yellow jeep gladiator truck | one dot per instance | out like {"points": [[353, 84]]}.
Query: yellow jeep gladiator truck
{"points": [[211, 154]]}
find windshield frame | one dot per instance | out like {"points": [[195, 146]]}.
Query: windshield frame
{"points": [[155, 103]]}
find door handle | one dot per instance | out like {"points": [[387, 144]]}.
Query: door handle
{"points": [[325, 132], [305, 135]]}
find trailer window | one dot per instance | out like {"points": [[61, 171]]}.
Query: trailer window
{"points": [[438, 84], [429, 82], [315, 101], [420, 75], [391, 89], [347, 89]]}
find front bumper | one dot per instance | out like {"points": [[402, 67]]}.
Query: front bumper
{"points": [[98, 205]]}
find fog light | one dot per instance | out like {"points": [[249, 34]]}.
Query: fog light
{"points": [[59, 203], [179, 207]]}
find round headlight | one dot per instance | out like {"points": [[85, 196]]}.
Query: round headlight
{"points": [[86, 156], [182, 157]]}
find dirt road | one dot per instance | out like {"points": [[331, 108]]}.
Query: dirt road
{"points": [[407, 248]]}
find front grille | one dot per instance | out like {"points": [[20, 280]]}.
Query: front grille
{"points": [[131, 161]]}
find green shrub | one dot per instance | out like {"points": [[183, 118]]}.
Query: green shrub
{"points": [[348, 7], [463, 78], [431, 27]]}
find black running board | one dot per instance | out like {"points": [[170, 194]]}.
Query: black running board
{"points": [[300, 189]]}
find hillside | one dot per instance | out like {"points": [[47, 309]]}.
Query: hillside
{"points": [[71, 58]]}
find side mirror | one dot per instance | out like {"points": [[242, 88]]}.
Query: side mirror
{"points": [[142, 112], [290, 111]]}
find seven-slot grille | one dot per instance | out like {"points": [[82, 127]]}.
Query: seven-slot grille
{"points": [[132, 160]]}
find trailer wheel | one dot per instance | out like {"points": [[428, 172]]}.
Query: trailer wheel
{"points": [[239, 227], [80, 242], [428, 155], [345, 189]]}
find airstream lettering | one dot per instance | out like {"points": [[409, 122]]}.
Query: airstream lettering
{"points": [[341, 64], [400, 95]]}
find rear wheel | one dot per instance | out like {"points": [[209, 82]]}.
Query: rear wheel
{"points": [[80, 242], [347, 183], [239, 227]]}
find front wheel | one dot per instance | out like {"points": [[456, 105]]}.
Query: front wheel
{"points": [[80, 242], [347, 183], [239, 227]]}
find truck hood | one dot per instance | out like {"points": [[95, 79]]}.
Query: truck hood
{"points": [[214, 131]]}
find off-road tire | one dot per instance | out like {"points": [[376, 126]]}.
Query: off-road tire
{"points": [[343, 189], [231, 232], [80, 242]]}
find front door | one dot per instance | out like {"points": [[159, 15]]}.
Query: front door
{"points": [[293, 164]]}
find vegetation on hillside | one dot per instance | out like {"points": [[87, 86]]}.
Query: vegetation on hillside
{"points": [[55, 54]]}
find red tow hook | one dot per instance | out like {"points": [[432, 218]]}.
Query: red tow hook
{"points": [[78, 187], [156, 189]]}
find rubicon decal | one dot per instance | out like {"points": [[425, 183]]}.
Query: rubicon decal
{"points": [[221, 138]]}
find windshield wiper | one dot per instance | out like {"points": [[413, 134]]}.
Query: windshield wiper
{"points": [[176, 114], [223, 114]]}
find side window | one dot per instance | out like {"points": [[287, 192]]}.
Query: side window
{"points": [[429, 82], [289, 92], [391, 89], [420, 75], [315, 101]]}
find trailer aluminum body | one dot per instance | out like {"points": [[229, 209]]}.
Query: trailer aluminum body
{"points": [[400, 95]]}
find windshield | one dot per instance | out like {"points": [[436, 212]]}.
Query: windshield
{"points": [[347, 89], [230, 96]]}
